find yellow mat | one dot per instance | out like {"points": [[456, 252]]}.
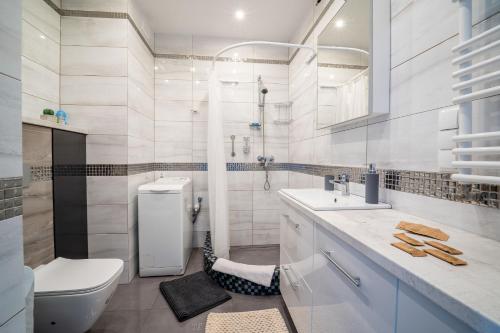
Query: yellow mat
{"points": [[262, 321]]}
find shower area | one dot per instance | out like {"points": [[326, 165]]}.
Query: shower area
{"points": [[248, 116]]}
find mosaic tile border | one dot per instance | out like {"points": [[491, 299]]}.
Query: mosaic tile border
{"points": [[118, 15], [431, 184], [11, 197], [343, 66]]}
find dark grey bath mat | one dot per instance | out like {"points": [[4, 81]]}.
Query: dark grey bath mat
{"points": [[193, 294]]}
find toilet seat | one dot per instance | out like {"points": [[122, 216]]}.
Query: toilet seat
{"points": [[75, 276]]}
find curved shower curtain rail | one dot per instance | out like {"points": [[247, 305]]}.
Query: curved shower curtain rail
{"points": [[343, 48], [265, 43]]}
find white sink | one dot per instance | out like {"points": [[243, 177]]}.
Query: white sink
{"points": [[318, 199]]}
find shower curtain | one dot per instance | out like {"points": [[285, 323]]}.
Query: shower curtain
{"points": [[217, 176]]}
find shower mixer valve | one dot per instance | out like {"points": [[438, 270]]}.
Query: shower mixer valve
{"points": [[266, 160]]}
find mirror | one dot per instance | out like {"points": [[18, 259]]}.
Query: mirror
{"points": [[344, 64]]}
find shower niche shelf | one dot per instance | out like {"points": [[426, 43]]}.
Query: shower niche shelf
{"points": [[284, 111]]}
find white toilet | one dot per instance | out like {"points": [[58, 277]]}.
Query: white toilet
{"points": [[70, 295]]}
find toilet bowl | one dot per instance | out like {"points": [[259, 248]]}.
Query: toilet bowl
{"points": [[70, 295]]}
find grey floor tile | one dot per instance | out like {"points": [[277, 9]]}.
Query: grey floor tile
{"points": [[140, 307]]}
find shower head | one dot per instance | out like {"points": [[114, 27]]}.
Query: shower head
{"points": [[263, 90]]}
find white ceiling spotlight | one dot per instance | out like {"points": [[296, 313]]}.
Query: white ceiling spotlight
{"points": [[339, 23], [239, 14]]}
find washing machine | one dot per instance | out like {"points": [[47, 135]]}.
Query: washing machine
{"points": [[165, 226]]}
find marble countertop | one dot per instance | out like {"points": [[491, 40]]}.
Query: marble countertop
{"points": [[50, 124], [471, 292]]}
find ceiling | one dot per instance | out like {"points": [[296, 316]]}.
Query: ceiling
{"points": [[355, 33], [273, 20]]}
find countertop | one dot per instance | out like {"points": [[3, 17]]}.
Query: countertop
{"points": [[471, 292], [50, 124]]}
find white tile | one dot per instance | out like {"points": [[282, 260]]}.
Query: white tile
{"points": [[200, 111], [33, 106], [203, 221], [140, 150], [96, 5], [138, 49], [142, 21], [239, 180], [11, 263], [423, 83], [266, 219], [278, 150], [271, 73], [237, 112], [300, 180], [108, 246], [140, 76], [305, 103], [200, 152], [107, 219], [10, 127], [235, 71], [240, 237], [173, 44], [39, 81], [240, 220], [107, 149], [37, 47], [242, 92], [140, 101], [166, 131], [200, 131], [43, 17], [345, 148], [240, 156], [445, 139], [87, 60], [302, 128], [173, 152], [202, 69], [173, 110], [408, 143], [277, 93], [87, 31], [200, 91], [240, 200], [140, 126], [266, 200], [174, 69], [110, 120], [93, 90], [301, 152], [266, 237], [239, 130], [277, 179], [173, 90], [107, 190]]}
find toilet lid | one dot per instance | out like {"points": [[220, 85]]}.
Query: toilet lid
{"points": [[75, 276]]}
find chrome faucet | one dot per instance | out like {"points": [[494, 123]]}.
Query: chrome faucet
{"points": [[342, 184], [266, 160]]}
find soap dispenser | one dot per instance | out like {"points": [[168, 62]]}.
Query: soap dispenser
{"points": [[371, 185]]}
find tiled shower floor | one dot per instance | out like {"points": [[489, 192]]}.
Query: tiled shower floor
{"points": [[140, 308]]}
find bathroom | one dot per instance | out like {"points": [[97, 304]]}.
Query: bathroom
{"points": [[249, 166]]}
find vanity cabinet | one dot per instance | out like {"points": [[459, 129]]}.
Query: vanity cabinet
{"points": [[351, 293], [416, 314], [330, 286]]}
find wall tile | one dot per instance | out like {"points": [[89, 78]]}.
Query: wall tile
{"points": [[87, 31], [266, 200], [277, 179], [107, 190], [140, 76], [42, 17], [140, 150], [10, 127], [109, 120], [239, 180], [240, 200], [240, 237], [100, 61], [107, 219], [108, 246], [166, 131], [93, 90], [140, 126], [173, 152], [266, 219], [174, 69], [266, 237], [33, 106], [96, 5], [37, 47], [240, 220], [174, 90], [173, 110], [10, 38], [39, 81], [140, 101], [106, 149]]}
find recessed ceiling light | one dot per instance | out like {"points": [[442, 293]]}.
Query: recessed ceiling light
{"points": [[193, 69], [339, 23], [239, 14], [42, 36], [331, 77]]}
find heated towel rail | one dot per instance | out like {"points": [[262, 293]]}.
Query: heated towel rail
{"points": [[473, 56]]}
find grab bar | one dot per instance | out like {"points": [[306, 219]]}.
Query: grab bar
{"points": [[354, 280], [295, 284]]}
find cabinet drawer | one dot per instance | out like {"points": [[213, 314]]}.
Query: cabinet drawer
{"points": [[351, 293], [296, 238], [297, 296]]}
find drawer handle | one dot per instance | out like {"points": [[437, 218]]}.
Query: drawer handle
{"points": [[294, 285], [354, 280], [296, 225]]}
